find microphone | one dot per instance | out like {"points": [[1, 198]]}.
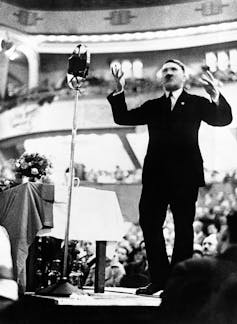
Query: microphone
{"points": [[78, 66]]}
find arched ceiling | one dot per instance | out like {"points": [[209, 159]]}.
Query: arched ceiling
{"points": [[55, 26], [105, 26], [52, 5]]}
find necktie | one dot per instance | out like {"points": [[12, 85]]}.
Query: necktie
{"points": [[169, 102]]}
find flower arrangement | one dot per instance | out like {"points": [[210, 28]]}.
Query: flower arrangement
{"points": [[32, 165]]}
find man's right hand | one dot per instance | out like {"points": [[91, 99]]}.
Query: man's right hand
{"points": [[118, 78]]}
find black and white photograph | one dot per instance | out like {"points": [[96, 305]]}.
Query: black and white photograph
{"points": [[118, 161]]}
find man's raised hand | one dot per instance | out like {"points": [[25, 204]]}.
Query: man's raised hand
{"points": [[118, 78], [210, 85]]}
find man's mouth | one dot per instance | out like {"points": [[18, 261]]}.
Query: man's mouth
{"points": [[168, 78]]}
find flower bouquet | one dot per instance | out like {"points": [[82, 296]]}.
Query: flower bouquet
{"points": [[32, 165]]}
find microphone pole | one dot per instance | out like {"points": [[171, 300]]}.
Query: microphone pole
{"points": [[70, 185], [76, 75]]}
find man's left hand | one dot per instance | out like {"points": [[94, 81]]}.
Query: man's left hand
{"points": [[210, 85]]}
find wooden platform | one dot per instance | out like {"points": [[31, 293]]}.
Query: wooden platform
{"points": [[113, 296], [114, 306]]}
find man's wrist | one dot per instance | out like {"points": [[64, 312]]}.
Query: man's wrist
{"points": [[215, 97], [116, 92]]}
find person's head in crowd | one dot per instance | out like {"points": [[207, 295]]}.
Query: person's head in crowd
{"points": [[211, 214], [132, 239], [89, 247], [142, 246], [125, 243], [222, 219], [197, 226], [198, 232], [228, 235], [197, 251], [214, 226], [209, 245], [212, 229], [139, 255], [122, 254]]}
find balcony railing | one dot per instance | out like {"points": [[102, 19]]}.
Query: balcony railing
{"points": [[99, 87]]}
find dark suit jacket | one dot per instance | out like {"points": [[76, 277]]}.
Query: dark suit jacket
{"points": [[173, 148], [195, 287]]}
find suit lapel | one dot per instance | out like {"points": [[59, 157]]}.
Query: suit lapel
{"points": [[181, 102]]}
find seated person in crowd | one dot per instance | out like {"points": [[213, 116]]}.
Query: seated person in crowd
{"points": [[122, 254], [209, 245], [87, 256], [198, 232], [8, 286], [192, 292], [136, 270], [114, 271]]}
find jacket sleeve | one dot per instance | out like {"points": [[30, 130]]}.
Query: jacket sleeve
{"points": [[123, 116], [216, 114]]}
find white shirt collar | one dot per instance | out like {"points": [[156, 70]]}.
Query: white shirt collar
{"points": [[175, 93]]}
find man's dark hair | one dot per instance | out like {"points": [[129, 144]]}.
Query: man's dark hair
{"points": [[176, 62], [232, 226]]}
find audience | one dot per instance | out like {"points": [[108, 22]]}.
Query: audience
{"points": [[114, 270], [197, 286]]}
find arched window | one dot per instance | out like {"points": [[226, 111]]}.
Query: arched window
{"points": [[222, 60], [131, 69], [211, 61], [115, 62], [137, 69], [233, 59], [127, 69]]}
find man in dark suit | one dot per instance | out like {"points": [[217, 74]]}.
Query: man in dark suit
{"points": [[173, 166], [204, 290]]}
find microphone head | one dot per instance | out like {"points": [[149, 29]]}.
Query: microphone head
{"points": [[78, 62]]}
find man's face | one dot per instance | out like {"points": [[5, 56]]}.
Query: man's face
{"points": [[122, 254], [89, 247], [173, 77], [210, 245]]}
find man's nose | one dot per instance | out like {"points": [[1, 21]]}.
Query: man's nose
{"points": [[168, 74]]}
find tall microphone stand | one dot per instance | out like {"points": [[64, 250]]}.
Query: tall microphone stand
{"points": [[77, 71], [64, 288], [71, 180]]}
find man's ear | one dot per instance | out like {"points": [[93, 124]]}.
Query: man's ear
{"points": [[186, 76]]}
